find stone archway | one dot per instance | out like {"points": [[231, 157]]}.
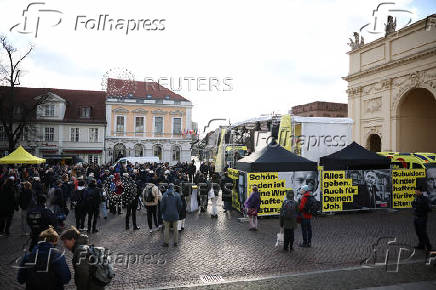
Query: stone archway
{"points": [[416, 120], [374, 143], [119, 151]]}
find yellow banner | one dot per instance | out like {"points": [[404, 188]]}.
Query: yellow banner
{"points": [[404, 185], [272, 191], [233, 173], [336, 189]]}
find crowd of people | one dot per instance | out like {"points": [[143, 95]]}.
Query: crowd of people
{"points": [[46, 194]]}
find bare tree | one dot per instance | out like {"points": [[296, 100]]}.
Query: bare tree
{"points": [[16, 114]]}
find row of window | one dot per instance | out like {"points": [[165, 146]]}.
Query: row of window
{"points": [[49, 134], [48, 110], [139, 151], [140, 125]]}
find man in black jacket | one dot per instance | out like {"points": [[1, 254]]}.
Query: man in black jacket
{"points": [[422, 207], [92, 200]]}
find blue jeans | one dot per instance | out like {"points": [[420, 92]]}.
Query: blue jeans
{"points": [[103, 208], [306, 229]]}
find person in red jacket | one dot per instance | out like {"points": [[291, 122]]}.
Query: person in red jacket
{"points": [[306, 227]]}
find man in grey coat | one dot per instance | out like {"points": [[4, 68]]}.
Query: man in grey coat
{"points": [[170, 206], [288, 220]]}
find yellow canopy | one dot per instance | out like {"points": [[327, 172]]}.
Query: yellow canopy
{"points": [[20, 155]]}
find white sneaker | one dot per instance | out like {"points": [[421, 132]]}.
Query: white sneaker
{"points": [[151, 231]]}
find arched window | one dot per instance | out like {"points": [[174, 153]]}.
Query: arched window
{"points": [[139, 150], [176, 153], [157, 151]]}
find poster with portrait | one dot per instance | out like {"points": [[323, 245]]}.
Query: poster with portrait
{"points": [[431, 184], [374, 188], [273, 187]]}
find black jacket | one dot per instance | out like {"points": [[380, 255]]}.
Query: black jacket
{"points": [[422, 206], [7, 199]]}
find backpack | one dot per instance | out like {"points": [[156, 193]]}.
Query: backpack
{"points": [[149, 194], [311, 205], [90, 197], [34, 220], [100, 265], [289, 209]]}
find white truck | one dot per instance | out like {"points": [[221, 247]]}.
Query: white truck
{"points": [[314, 137]]}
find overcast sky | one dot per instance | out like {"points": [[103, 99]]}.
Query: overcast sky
{"points": [[274, 54]]}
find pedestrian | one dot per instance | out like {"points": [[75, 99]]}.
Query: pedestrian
{"points": [[306, 215], [130, 198], [79, 204], [252, 206], [103, 200], [74, 241], [170, 206], [288, 220], [422, 207], [182, 213], [92, 201], [151, 195], [226, 194], [8, 204], [39, 218], [45, 267], [214, 192], [26, 201]]}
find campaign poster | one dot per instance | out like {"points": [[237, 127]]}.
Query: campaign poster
{"points": [[338, 191], [404, 186]]}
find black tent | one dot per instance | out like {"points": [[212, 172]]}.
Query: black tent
{"points": [[354, 157], [275, 158]]}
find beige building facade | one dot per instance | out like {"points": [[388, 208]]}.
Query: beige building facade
{"points": [[392, 90]]}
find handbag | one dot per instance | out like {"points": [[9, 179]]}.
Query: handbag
{"points": [[211, 194], [280, 239]]}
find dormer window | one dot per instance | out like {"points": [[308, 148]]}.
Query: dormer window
{"points": [[85, 112], [48, 110]]}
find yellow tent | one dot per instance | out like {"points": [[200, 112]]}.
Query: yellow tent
{"points": [[20, 155]]}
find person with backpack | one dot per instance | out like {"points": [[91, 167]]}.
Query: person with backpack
{"points": [[88, 274], [92, 201], [151, 196], [79, 204], [306, 207], [39, 219], [45, 268], [288, 220]]}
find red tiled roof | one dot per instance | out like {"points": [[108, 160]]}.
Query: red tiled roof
{"points": [[141, 90], [75, 99]]}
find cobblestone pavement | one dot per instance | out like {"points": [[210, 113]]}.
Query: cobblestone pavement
{"points": [[224, 247]]}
